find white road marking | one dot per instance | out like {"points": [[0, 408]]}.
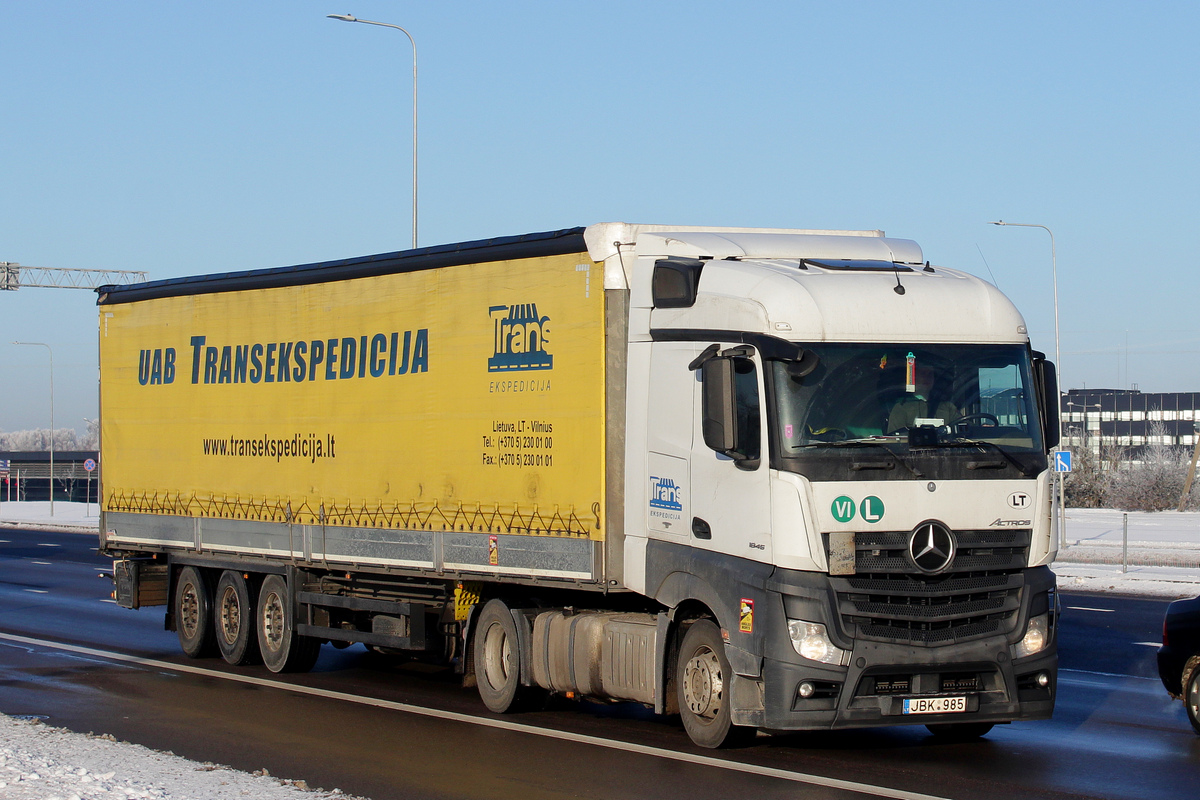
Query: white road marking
{"points": [[48, 544], [1148, 644], [43, 563], [1102, 610], [1062, 670], [38, 591], [657, 752]]}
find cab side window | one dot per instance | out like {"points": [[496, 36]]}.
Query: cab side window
{"points": [[748, 416]]}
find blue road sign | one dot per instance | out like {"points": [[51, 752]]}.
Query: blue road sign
{"points": [[1062, 460], [90, 464]]}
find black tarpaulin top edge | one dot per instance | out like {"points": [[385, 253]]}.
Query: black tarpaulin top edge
{"points": [[530, 245]]}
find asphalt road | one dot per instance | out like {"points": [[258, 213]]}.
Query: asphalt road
{"points": [[386, 728]]}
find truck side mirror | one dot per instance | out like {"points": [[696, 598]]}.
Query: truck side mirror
{"points": [[717, 405], [1047, 379]]}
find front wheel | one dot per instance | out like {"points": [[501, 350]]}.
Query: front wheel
{"points": [[283, 650], [1191, 691], [704, 681]]}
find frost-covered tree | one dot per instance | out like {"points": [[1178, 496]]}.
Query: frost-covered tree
{"points": [[38, 441], [1087, 483], [1154, 482]]}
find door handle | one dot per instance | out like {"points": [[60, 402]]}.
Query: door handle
{"points": [[700, 529]]}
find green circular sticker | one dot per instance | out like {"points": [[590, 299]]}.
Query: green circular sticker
{"points": [[843, 509], [871, 509]]}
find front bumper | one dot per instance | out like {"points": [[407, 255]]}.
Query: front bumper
{"points": [[872, 689], [879, 675]]}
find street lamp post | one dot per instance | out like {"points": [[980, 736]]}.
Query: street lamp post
{"points": [[1062, 527], [352, 18], [43, 344], [1054, 273]]}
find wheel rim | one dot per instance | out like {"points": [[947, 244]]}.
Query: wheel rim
{"points": [[703, 684], [189, 610], [272, 621], [497, 652], [231, 615], [1193, 694]]}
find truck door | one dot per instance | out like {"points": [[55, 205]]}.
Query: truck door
{"points": [[730, 491], [669, 433]]}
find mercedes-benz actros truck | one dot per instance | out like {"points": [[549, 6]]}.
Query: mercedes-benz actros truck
{"points": [[767, 480]]}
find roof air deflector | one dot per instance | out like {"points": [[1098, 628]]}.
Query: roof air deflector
{"points": [[855, 265]]}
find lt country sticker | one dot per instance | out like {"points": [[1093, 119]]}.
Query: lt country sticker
{"points": [[845, 508]]}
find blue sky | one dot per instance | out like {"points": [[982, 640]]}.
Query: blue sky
{"points": [[183, 138]]}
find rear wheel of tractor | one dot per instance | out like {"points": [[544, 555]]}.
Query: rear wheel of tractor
{"points": [[193, 614], [283, 650], [960, 731], [704, 681], [498, 658], [1191, 691], [233, 618]]}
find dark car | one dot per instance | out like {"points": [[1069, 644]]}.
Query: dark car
{"points": [[1179, 656]]}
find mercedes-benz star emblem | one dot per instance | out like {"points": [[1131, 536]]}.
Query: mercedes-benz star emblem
{"points": [[931, 547]]}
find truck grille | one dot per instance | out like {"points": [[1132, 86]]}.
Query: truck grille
{"points": [[889, 599]]}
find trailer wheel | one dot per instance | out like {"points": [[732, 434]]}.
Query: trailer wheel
{"points": [[497, 658], [283, 650], [234, 620], [703, 678], [193, 614]]}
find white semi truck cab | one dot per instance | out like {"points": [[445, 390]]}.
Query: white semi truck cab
{"points": [[768, 480], [848, 446]]}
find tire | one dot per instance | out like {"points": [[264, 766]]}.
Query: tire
{"points": [[702, 681], [193, 614], [960, 731], [233, 620], [498, 658], [1191, 691], [282, 649]]}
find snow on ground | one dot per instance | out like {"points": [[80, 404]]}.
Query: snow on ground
{"points": [[82, 517], [1151, 554], [38, 762]]}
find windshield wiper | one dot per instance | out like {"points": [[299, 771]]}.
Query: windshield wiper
{"points": [[868, 443], [1027, 472]]}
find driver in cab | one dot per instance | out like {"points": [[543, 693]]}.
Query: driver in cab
{"points": [[918, 408]]}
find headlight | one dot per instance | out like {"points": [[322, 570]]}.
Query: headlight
{"points": [[811, 641], [1037, 636]]}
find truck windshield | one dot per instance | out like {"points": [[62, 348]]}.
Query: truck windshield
{"points": [[940, 410]]}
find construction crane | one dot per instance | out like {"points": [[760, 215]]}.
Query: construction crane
{"points": [[13, 276]]}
